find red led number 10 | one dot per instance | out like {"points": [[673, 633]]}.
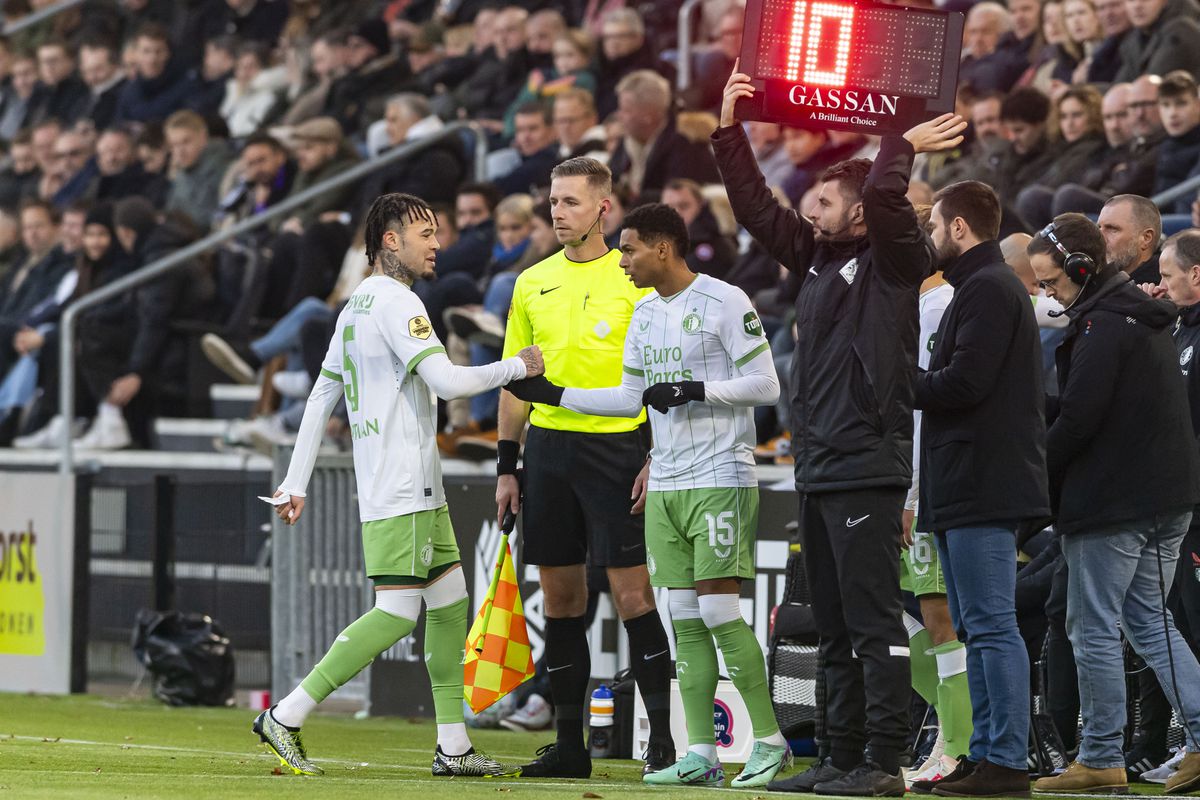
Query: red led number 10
{"points": [[805, 43]]}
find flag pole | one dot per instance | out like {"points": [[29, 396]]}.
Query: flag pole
{"points": [[506, 528]]}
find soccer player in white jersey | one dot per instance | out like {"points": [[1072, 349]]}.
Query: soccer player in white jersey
{"points": [[387, 362], [695, 352]]}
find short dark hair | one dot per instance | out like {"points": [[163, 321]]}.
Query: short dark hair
{"points": [[1178, 83], [488, 191], [533, 107], [226, 43], [154, 31], [44, 205], [1077, 234], [598, 175], [851, 176], [1187, 247], [392, 209], [60, 43], [266, 140], [975, 202], [152, 136], [687, 185], [100, 42], [656, 222], [1027, 105]]}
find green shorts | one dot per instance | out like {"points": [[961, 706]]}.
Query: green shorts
{"points": [[920, 569], [700, 534], [410, 545]]}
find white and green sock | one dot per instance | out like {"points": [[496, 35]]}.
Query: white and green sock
{"points": [[954, 698], [744, 661], [924, 664]]}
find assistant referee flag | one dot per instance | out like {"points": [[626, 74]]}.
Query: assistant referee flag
{"points": [[497, 659]]}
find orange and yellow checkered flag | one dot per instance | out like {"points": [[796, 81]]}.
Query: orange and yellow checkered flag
{"points": [[498, 655]]}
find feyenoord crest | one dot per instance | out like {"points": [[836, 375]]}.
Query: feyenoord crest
{"points": [[691, 323], [1186, 356], [427, 554], [651, 564]]}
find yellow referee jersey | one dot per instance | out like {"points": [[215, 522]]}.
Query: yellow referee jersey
{"points": [[577, 312]]}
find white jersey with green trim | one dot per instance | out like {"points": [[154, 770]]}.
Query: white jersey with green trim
{"points": [[382, 334], [707, 332]]}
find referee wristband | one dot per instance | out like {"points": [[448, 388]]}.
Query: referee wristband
{"points": [[507, 452]]}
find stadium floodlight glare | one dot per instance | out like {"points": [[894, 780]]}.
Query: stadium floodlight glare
{"points": [[849, 65]]}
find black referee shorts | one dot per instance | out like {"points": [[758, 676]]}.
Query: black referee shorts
{"points": [[576, 499]]}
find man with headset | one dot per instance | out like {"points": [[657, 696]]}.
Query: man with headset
{"points": [[1124, 476]]}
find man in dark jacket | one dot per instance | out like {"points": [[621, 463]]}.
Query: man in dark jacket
{"points": [[712, 252], [160, 85], [105, 81], [983, 469], [357, 98], [60, 93], [861, 261], [1165, 37], [36, 278], [1124, 476]]}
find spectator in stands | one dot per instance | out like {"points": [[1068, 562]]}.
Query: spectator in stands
{"points": [[325, 65], [252, 92], [1083, 29], [105, 80], [624, 49], [268, 173], [1179, 154], [712, 64], [536, 148], [652, 151], [258, 21], [1081, 133], [767, 142], [11, 249], [120, 173], [986, 66], [20, 178], [712, 252], [1025, 38], [577, 127], [17, 96], [44, 136], [1054, 64], [1105, 61], [74, 169], [159, 85], [988, 137], [35, 278], [152, 149], [1125, 167], [572, 70], [198, 164], [433, 173], [1028, 155], [1144, 118], [60, 93], [474, 206], [1131, 227], [373, 74], [1165, 37], [211, 80]]}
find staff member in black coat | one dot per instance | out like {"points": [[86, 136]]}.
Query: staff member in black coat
{"points": [[1125, 472], [983, 469], [861, 262]]}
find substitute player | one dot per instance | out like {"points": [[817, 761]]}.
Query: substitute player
{"points": [[387, 362], [695, 351], [580, 469]]}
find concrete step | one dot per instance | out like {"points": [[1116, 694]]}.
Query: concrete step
{"points": [[233, 401], [180, 435]]}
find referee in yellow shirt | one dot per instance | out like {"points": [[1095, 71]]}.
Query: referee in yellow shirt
{"points": [[580, 470]]}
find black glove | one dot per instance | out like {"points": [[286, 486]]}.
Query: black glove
{"points": [[662, 396], [536, 390]]}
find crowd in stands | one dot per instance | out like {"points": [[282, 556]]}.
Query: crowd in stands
{"points": [[148, 124]]}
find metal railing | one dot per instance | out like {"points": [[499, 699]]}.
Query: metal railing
{"points": [[1175, 192], [29, 20], [183, 256], [683, 74]]}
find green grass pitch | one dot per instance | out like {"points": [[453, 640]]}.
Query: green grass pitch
{"points": [[91, 747]]}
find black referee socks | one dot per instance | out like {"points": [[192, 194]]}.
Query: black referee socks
{"points": [[650, 663], [569, 665]]}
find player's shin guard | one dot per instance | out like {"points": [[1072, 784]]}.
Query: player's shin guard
{"points": [[650, 663], [445, 638], [924, 664], [355, 648], [954, 698], [696, 668]]}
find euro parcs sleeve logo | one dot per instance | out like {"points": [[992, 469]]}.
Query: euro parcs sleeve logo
{"points": [[22, 603]]}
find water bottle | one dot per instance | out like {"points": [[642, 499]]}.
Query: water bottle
{"points": [[601, 722]]}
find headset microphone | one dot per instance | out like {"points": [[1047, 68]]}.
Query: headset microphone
{"points": [[1057, 314], [594, 224]]}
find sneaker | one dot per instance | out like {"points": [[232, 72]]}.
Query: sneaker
{"points": [[109, 431], [448, 441], [932, 760], [480, 447], [865, 780], [285, 743], [262, 433], [535, 715], [1142, 759], [1082, 779], [555, 763], [225, 358], [476, 325], [489, 718], [1187, 777], [933, 770], [471, 764], [820, 771], [660, 754], [294, 384], [1162, 773], [964, 769], [766, 761], [50, 436], [691, 770]]}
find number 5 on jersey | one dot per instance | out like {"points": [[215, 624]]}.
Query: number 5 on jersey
{"points": [[350, 369]]}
